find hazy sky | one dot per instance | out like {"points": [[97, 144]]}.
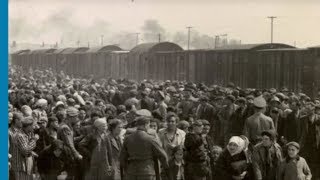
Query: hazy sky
{"points": [[246, 20]]}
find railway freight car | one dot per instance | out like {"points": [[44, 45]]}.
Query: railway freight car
{"points": [[102, 61], [143, 63], [311, 73]]}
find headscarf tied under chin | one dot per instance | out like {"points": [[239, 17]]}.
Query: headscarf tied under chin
{"points": [[238, 141]]}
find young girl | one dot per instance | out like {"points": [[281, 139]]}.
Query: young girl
{"points": [[216, 151], [176, 164], [294, 167]]}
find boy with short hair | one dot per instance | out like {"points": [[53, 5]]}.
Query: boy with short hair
{"points": [[294, 167]]}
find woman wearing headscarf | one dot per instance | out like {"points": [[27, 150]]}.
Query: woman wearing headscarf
{"points": [[97, 152], [233, 163]]}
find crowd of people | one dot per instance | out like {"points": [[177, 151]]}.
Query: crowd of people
{"points": [[61, 127]]}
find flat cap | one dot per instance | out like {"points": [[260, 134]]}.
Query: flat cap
{"points": [[72, 111], [231, 98], [259, 102], [292, 143], [142, 121], [144, 112], [27, 121], [197, 123]]}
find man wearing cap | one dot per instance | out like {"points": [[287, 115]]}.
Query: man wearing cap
{"points": [[310, 139], [258, 122], [162, 106], [41, 106], [291, 125], [146, 102], [185, 106], [267, 157], [22, 154], [139, 151], [205, 110], [238, 118], [133, 99], [225, 122], [66, 134], [197, 166]]}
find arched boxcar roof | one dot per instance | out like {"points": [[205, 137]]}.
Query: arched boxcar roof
{"points": [[152, 47], [22, 51], [255, 46], [74, 50], [104, 49], [315, 47], [42, 51]]}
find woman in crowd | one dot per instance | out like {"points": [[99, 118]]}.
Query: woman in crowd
{"points": [[232, 164]]}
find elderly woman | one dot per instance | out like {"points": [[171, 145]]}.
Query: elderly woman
{"points": [[115, 127], [97, 150], [232, 163]]}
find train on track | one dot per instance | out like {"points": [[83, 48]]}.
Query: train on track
{"points": [[248, 65]]}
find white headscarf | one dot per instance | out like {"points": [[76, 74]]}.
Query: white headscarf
{"points": [[238, 141]]}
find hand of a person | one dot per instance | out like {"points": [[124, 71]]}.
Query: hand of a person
{"points": [[79, 157], [36, 137], [109, 171]]}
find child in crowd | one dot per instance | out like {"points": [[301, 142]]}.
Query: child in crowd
{"points": [[294, 167], [216, 151], [176, 164]]}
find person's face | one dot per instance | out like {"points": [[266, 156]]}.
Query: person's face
{"points": [[292, 151], [186, 130], [206, 129], [216, 154], [318, 111], [250, 101], [293, 106], [233, 147], [55, 124], [43, 124], [103, 128], [76, 127], [18, 122], [242, 105], [178, 155], [118, 129], [82, 114], [10, 117], [147, 126], [198, 129], [266, 141], [57, 152], [172, 122], [153, 125], [274, 112]]}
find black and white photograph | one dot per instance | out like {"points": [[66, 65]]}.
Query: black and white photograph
{"points": [[164, 90]]}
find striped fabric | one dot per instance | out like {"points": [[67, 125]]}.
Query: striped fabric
{"points": [[21, 149]]}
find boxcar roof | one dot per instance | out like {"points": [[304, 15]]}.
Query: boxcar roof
{"points": [[42, 51], [153, 47], [21, 51], [255, 46], [104, 49], [314, 47], [74, 50], [283, 49]]}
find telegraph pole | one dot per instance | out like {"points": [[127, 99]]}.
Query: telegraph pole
{"points": [[189, 28], [159, 35], [137, 38], [101, 40], [271, 18], [216, 39]]}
